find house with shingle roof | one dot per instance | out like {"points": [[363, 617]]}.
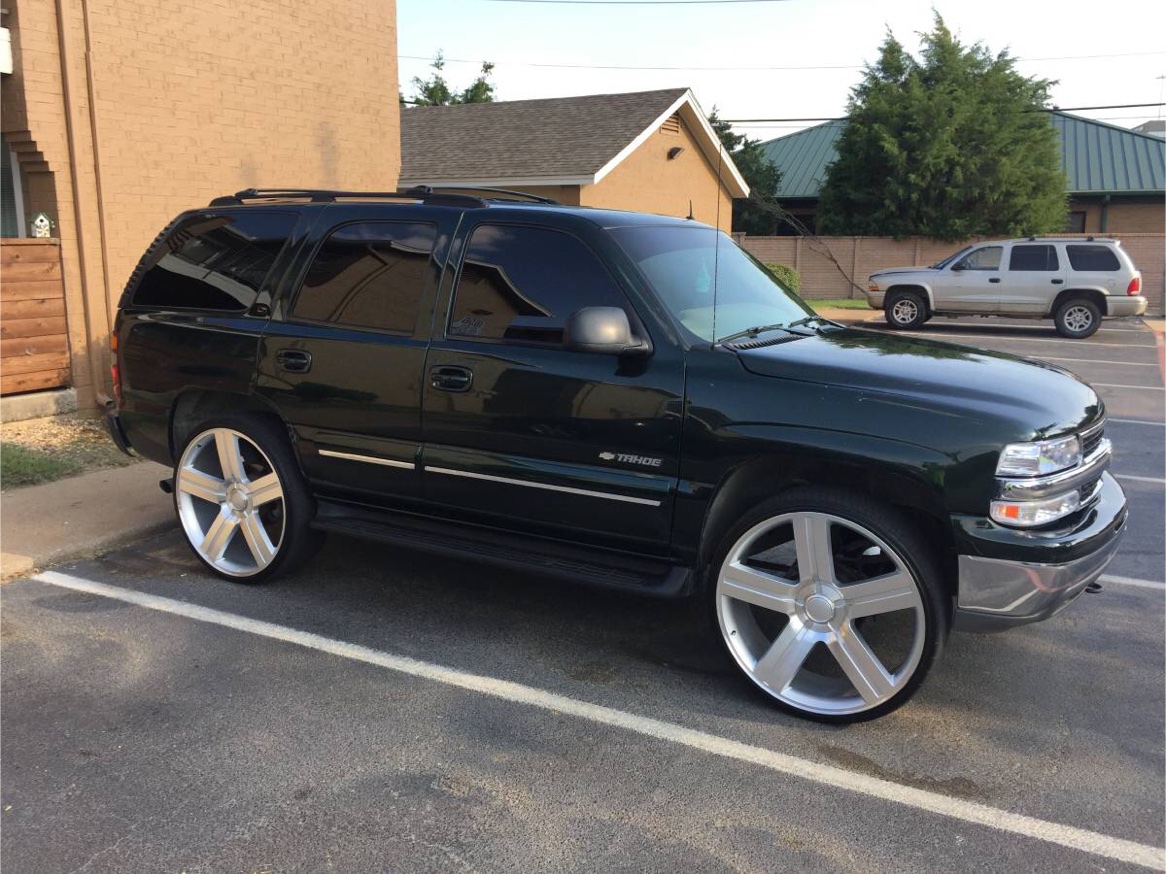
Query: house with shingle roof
{"points": [[649, 151], [1116, 176]]}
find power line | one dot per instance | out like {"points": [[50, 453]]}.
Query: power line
{"points": [[632, 2], [1040, 109], [744, 69]]}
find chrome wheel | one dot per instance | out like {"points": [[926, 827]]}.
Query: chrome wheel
{"points": [[230, 502], [905, 311], [1078, 318], [821, 613]]}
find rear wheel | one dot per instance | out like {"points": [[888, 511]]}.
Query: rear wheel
{"points": [[830, 604], [1077, 318], [241, 500], [905, 309]]}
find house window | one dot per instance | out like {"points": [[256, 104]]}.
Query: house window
{"points": [[11, 194], [1076, 223]]}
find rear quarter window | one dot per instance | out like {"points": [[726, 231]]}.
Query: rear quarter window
{"points": [[1093, 258], [212, 261]]}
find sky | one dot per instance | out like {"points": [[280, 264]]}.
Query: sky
{"points": [[784, 59]]}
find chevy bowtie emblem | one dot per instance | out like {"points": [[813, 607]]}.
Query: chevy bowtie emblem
{"points": [[631, 459], [607, 456]]}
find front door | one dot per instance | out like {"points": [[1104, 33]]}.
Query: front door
{"points": [[523, 434], [971, 284]]}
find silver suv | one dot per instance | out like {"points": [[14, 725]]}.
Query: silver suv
{"points": [[1075, 282]]}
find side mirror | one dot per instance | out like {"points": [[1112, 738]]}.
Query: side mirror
{"points": [[959, 265], [605, 330]]}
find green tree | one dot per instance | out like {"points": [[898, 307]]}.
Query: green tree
{"points": [[757, 214], [435, 91], [950, 145]]}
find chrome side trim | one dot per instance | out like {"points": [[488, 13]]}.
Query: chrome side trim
{"points": [[368, 459], [647, 502], [1037, 489]]}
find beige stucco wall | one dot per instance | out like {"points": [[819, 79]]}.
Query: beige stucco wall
{"points": [[646, 181], [182, 101]]}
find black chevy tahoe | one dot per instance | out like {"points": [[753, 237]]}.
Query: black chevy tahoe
{"points": [[618, 399]]}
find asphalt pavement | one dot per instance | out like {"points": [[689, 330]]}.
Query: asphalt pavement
{"points": [[390, 711]]}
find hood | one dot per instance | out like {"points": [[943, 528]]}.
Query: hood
{"points": [[1042, 399], [892, 270]]}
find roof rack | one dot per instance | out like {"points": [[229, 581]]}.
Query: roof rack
{"points": [[456, 196]]}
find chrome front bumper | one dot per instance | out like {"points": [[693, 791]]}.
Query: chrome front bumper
{"points": [[996, 594]]}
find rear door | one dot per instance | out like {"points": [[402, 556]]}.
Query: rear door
{"points": [[523, 434], [1032, 279], [342, 358]]}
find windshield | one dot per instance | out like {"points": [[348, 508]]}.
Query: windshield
{"points": [[707, 281], [941, 264]]}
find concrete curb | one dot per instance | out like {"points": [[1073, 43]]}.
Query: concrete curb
{"points": [[81, 517]]}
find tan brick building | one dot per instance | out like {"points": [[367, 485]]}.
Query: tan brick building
{"points": [[649, 151], [117, 115]]}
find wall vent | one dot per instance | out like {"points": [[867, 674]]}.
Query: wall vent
{"points": [[671, 126]]}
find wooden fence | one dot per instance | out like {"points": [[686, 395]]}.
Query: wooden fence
{"points": [[34, 348]]}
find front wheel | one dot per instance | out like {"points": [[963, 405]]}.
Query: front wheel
{"points": [[905, 310], [241, 500], [1077, 319], [830, 604]]}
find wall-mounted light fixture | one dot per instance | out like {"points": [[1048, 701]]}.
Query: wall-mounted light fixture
{"points": [[674, 151]]}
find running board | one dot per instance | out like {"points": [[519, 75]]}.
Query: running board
{"points": [[530, 553]]}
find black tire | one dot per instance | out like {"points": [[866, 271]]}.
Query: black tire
{"points": [[1077, 318], [261, 535], [905, 310], [741, 627]]}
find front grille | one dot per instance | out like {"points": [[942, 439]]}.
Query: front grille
{"points": [[1091, 438], [1087, 491]]}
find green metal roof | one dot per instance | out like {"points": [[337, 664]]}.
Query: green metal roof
{"points": [[1099, 158]]}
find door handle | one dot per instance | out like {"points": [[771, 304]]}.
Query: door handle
{"points": [[448, 378], [294, 360], [994, 279], [1058, 282]]}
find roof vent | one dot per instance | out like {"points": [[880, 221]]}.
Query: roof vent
{"points": [[671, 125]]}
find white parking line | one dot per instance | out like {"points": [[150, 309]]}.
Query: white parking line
{"points": [[1141, 479], [1086, 841], [943, 335], [1135, 387], [1098, 361], [1138, 422], [1130, 581]]}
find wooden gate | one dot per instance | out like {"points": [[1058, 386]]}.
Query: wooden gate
{"points": [[34, 348]]}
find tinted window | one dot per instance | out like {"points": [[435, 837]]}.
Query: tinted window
{"points": [[987, 258], [521, 284], [1093, 258], [1033, 258], [369, 275], [215, 261]]}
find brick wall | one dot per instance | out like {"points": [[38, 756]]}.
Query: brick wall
{"points": [[829, 265], [150, 107]]}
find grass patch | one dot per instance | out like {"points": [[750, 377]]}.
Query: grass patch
{"points": [[846, 304], [21, 466]]}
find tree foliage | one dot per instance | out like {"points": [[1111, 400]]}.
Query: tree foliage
{"points": [[435, 91], [757, 215], [950, 145]]}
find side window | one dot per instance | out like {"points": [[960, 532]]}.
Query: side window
{"points": [[1093, 258], [369, 275], [214, 261], [521, 284], [1037, 257], [986, 258]]}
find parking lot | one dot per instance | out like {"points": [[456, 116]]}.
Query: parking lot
{"points": [[389, 711]]}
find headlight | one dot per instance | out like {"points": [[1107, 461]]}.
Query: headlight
{"points": [[1038, 459], [1029, 514]]}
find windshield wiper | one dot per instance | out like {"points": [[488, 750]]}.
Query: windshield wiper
{"points": [[752, 332], [805, 321]]}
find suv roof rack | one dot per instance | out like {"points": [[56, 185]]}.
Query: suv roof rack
{"points": [[456, 196]]}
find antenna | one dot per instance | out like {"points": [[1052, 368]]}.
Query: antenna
{"points": [[716, 234], [690, 216]]}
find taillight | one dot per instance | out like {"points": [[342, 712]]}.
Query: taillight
{"points": [[1135, 286], [114, 369]]}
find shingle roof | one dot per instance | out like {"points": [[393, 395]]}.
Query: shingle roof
{"points": [[1098, 158], [561, 138]]}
